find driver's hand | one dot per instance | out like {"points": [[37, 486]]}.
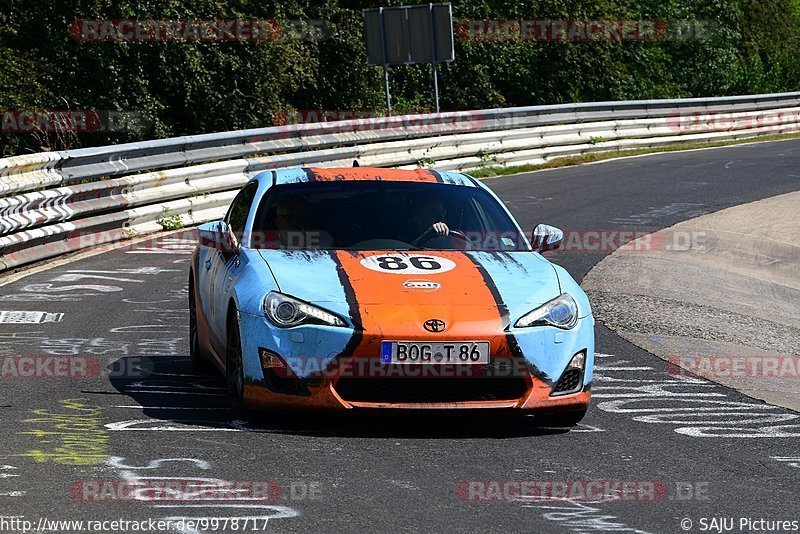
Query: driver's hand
{"points": [[440, 229]]}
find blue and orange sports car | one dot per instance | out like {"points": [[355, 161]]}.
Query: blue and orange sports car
{"points": [[361, 288]]}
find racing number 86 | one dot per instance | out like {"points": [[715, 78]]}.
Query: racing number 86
{"points": [[393, 263]]}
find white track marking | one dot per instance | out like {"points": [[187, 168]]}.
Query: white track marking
{"points": [[698, 408], [139, 407], [29, 317], [602, 368]]}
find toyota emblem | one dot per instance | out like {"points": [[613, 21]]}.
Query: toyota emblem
{"points": [[434, 325]]}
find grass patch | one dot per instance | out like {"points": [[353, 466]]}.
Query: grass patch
{"points": [[491, 171], [170, 222]]}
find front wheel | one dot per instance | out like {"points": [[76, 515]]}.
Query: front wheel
{"points": [[234, 370], [198, 362]]}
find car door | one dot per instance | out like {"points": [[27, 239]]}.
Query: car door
{"points": [[225, 265]]}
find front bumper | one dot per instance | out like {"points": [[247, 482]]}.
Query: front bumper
{"points": [[320, 370]]}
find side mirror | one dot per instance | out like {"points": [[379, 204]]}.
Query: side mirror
{"points": [[216, 235], [546, 237]]}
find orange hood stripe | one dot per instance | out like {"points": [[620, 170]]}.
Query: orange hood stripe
{"points": [[510, 342], [316, 174], [463, 288], [467, 288]]}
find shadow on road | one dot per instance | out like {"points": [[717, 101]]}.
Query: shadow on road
{"points": [[171, 394]]}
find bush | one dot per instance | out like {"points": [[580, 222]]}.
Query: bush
{"points": [[197, 87]]}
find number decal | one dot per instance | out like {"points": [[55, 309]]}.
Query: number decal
{"points": [[391, 263], [408, 264], [426, 263]]}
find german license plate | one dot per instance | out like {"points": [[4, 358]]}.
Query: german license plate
{"points": [[415, 352]]}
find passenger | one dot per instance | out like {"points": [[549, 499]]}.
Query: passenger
{"points": [[292, 220]]}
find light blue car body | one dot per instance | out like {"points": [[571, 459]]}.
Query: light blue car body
{"points": [[237, 283]]}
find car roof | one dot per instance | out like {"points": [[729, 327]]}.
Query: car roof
{"points": [[316, 174]]}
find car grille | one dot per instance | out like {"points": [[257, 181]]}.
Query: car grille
{"points": [[569, 381], [430, 390]]}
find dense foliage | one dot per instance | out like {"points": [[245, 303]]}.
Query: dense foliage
{"points": [[749, 46]]}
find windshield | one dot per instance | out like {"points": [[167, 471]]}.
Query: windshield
{"points": [[374, 215]]}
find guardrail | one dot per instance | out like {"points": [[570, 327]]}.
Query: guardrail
{"points": [[57, 202]]}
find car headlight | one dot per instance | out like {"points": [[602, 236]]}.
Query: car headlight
{"points": [[561, 312], [284, 311]]}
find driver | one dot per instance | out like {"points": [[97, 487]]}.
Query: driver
{"points": [[428, 221]]}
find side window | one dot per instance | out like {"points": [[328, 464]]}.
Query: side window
{"points": [[240, 208]]}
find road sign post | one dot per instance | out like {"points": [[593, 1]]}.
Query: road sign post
{"points": [[409, 35]]}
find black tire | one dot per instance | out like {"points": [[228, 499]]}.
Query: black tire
{"points": [[561, 420], [234, 372], [199, 363]]}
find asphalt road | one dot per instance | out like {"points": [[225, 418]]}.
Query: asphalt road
{"points": [[709, 451]]}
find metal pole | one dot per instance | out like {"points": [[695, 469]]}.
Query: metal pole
{"points": [[434, 57], [436, 85], [385, 68], [386, 82]]}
